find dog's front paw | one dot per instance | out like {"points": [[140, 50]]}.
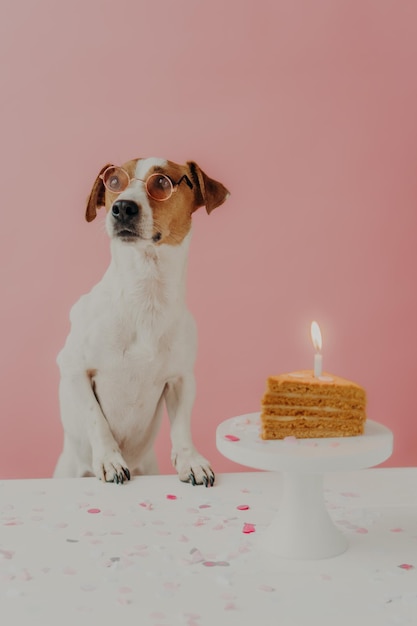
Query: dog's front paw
{"points": [[193, 468], [111, 467]]}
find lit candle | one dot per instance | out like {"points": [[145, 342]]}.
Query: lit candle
{"points": [[316, 339]]}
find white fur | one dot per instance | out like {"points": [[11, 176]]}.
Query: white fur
{"points": [[132, 346]]}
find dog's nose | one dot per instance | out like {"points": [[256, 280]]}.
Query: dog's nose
{"points": [[124, 209]]}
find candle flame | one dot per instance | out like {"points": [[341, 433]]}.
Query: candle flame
{"points": [[316, 336]]}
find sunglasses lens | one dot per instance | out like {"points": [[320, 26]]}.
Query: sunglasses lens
{"points": [[115, 179], [159, 187]]}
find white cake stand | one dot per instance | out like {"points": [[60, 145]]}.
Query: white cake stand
{"points": [[302, 528]]}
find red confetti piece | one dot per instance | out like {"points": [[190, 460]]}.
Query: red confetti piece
{"points": [[248, 528], [232, 438], [243, 507], [170, 496], [94, 511], [406, 566]]}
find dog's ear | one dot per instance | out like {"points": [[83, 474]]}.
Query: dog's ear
{"points": [[96, 198], [208, 192]]}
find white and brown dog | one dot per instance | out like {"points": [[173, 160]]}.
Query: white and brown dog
{"points": [[132, 343]]}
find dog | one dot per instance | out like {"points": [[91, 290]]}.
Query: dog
{"points": [[132, 343]]}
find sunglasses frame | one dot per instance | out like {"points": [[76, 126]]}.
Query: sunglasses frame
{"points": [[173, 185]]}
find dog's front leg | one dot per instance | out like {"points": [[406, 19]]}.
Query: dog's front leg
{"points": [[81, 412], [191, 466]]}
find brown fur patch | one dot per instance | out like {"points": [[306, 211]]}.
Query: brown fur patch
{"points": [[172, 217]]}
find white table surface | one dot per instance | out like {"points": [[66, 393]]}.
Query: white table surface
{"points": [[82, 552]]}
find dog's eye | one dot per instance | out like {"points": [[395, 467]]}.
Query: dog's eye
{"points": [[115, 179]]}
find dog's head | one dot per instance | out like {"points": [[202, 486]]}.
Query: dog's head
{"points": [[152, 199]]}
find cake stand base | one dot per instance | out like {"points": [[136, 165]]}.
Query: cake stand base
{"points": [[302, 528]]}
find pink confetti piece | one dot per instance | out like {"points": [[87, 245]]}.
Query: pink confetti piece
{"points": [[183, 539], [204, 506], [243, 507], [6, 554], [349, 494], [291, 440], [232, 438], [361, 531], [146, 505], [196, 556], [171, 496], [406, 566], [230, 606], [248, 528], [396, 530], [25, 575], [94, 511], [124, 600], [171, 585]]}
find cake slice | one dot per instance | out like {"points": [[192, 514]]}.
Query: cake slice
{"points": [[302, 405]]}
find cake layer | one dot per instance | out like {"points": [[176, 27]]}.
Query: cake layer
{"points": [[323, 412], [305, 429], [338, 401]]}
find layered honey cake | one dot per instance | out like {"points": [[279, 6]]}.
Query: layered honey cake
{"points": [[302, 405]]}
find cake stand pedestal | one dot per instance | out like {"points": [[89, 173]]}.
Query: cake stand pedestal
{"points": [[302, 528]]}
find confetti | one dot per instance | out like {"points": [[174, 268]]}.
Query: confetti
{"points": [[94, 511], [232, 438], [290, 440], [406, 566], [248, 528], [243, 507], [6, 554], [170, 496]]}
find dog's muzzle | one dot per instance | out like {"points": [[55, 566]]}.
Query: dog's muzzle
{"points": [[126, 214]]}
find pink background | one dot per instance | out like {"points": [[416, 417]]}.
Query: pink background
{"points": [[306, 111]]}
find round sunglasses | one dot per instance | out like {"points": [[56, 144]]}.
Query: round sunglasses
{"points": [[158, 186]]}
